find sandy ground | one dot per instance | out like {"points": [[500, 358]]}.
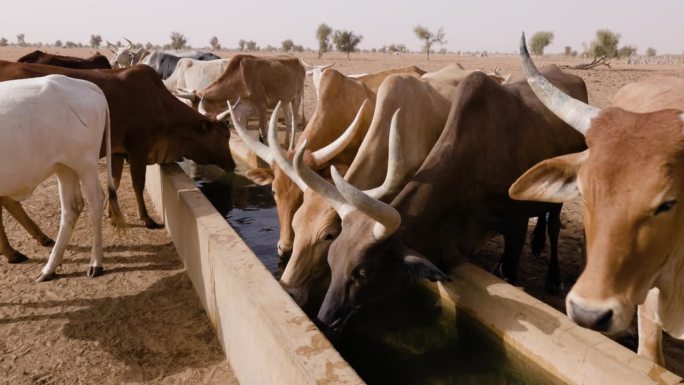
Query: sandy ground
{"points": [[117, 328]]}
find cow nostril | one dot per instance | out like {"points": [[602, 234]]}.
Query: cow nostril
{"points": [[599, 320]]}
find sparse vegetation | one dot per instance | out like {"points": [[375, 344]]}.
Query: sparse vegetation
{"points": [[252, 46], [627, 51], [178, 41], [323, 33], [605, 44], [214, 42], [567, 51], [429, 38], [287, 45], [58, 44], [95, 41], [70, 44], [21, 42], [3, 42], [346, 41], [539, 41], [650, 51]]}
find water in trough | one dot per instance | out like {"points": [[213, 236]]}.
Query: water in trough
{"points": [[412, 340]]}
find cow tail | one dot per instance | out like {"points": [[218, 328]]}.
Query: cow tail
{"points": [[117, 218]]}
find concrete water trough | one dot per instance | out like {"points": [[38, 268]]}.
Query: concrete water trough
{"points": [[269, 340]]}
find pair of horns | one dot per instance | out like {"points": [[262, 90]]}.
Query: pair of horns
{"points": [[320, 157]]}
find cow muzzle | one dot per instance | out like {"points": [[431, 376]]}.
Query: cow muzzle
{"points": [[284, 250], [608, 316]]}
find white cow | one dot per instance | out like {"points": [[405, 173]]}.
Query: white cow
{"points": [[316, 72], [191, 74], [55, 124]]}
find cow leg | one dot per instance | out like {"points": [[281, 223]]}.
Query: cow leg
{"points": [[554, 284], [261, 110], [15, 209], [12, 255], [95, 198], [290, 126], [298, 108], [514, 234], [117, 171], [138, 169], [71, 204], [538, 236], [650, 333]]}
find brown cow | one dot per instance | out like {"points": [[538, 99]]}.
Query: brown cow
{"points": [[630, 180], [424, 104], [96, 61], [457, 198], [149, 125], [260, 83], [327, 123]]}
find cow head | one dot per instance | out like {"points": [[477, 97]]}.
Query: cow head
{"points": [[366, 259], [122, 55], [316, 73], [286, 187], [210, 143], [630, 181]]}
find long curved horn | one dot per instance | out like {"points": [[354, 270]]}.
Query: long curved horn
{"points": [[260, 149], [320, 185], [327, 153], [396, 165], [277, 152], [305, 63], [573, 112], [293, 127], [186, 94], [201, 108], [130, 45], [386, 217]]}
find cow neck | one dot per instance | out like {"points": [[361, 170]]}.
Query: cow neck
{"points": [[670, 282]]}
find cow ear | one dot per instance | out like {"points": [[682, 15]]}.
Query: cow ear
{"points": [[260, 176], [418, 267], [553, 180]]}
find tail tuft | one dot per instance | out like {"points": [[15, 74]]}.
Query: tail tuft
{"points": [[116, 217]]}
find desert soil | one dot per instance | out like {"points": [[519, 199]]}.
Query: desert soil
{"points": [[142, 322]]}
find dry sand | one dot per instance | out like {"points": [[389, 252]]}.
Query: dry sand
{"points": [[142, 322]]}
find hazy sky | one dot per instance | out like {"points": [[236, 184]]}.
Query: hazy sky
{"points": [[469, 25]]}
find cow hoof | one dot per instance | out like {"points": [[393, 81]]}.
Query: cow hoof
{"points": [[152, 225], [17, 257], [95, 271], [47, 242], [46, 277]]}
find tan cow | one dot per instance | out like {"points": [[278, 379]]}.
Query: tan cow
{"points": [[630, 181], [328, 122], [260, 83], [424, 104]]}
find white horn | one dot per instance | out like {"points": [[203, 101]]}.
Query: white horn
{"points": [[277, 152], [327, 153], [130, 45], [260, 149], [386, 217], [573, 112], [201, 108], [396, 166], [320, 185]]}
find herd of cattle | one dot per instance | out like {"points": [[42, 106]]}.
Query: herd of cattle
{"points": [[395, 177]]}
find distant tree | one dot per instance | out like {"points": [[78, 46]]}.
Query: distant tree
{"points": [[3, 42], [568, 50], [95, 41], [346, 41], [539, 41], [20, 40], [242, 43], [287, 45], [573, 53], [298, 48], [58, 44], [252, 46], [214, 43], [429, 38], [323, 33], [627, 51], [70, 44], [650, 51], [178, 41], [605, 44]]}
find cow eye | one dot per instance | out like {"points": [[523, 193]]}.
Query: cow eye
{"points": [[665, 206], [329, 237], [362, 273], [273, 192]]}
